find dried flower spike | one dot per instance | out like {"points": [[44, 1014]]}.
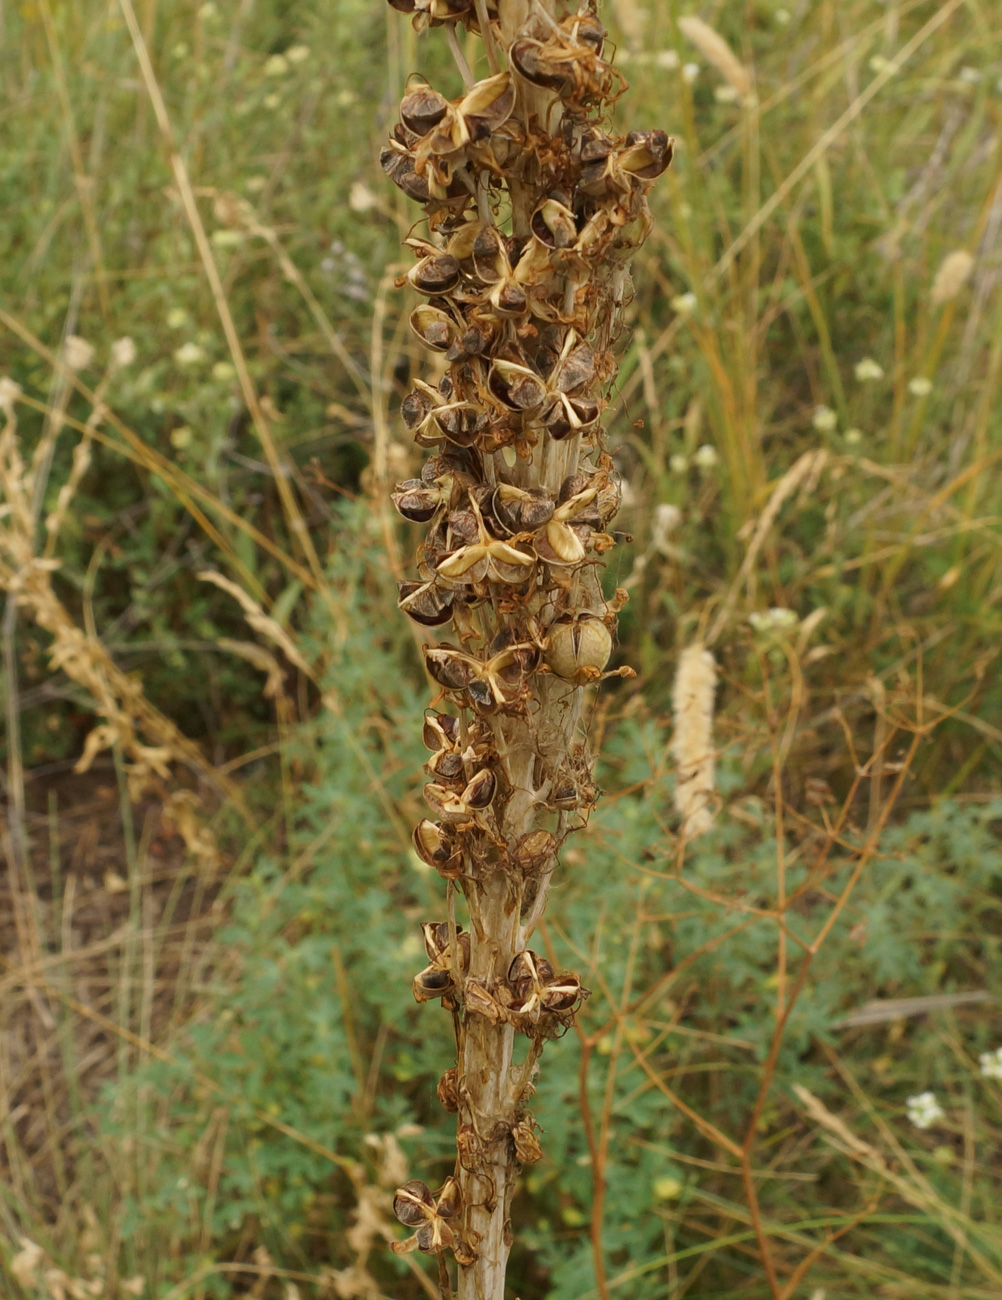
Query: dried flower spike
{"points": [[532, 210]]}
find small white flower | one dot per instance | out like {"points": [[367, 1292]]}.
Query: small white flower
{"points": [[678, 464], [776, 619], [273, 100], [878, 63], [706, 456], [684, 304], [176, 317], [824, 419], [276, 66], [853, 437], [690, 71], [667, 59], [868, 370], [181, 437], [920, 386], [189, 354], [297, 53], [666, 519], [123, 352], [360, 197], [77, 352], [924, 1110], [726, 95], [991, 1064], [969, 76], [222, 371]]}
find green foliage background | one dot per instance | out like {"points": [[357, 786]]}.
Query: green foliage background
{"points": [[296, 1011]]}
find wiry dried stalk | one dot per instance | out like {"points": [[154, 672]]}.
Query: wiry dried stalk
{"points": [[533, 212]]}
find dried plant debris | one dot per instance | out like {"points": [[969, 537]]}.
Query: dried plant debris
{"points": [[532, 210]]}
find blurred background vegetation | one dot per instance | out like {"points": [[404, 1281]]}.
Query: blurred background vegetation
{"points": [[211, 1067]]}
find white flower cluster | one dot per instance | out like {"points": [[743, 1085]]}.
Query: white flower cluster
{"points": [[991, 1064], [924, 1110], [776, 619]]}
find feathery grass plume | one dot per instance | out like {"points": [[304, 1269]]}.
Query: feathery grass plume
{"points": [[533, 211], [954, 272], [716, 51], [692, 742]]}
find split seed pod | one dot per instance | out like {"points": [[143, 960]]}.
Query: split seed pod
{"points": [[412, 1202]]}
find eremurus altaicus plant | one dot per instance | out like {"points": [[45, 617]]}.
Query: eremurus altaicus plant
{"points": [[532, 211]]}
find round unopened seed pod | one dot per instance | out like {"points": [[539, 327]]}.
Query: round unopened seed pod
{"points": [[578, 649]]}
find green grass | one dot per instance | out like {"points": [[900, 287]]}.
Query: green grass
{"points": [[268, 962]]}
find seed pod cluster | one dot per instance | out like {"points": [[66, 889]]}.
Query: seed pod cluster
{"points": [[532, 210]]}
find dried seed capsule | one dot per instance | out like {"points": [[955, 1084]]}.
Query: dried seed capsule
{"points": [[425, 603], [434, 844], [559, 544], [413, 1203], [534, 851], [648, 154], [436, 939], [446, 766], [434, 327], [448, 1090], [431, 983], [480, 792], [561, 992], [422, 109], [441, 730], [435, 275], [415, 501], [466, 1254], [479, 1002], [578, 649], [489, 104], [527, 1148], [530, 58], [449, 1200], [528, 967], [554, 225], [515, 386]]}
